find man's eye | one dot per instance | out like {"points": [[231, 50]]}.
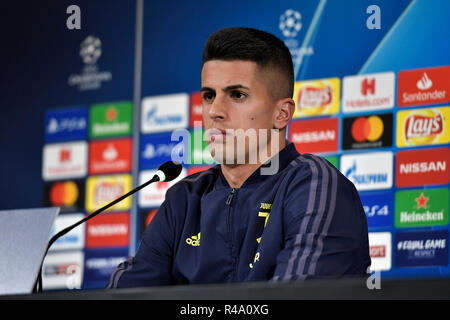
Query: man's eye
{"points": [[238, 95], [208, 96]]}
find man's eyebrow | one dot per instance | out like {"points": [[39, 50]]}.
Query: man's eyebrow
{"points": [[206, 89], [228, 88], [234, 87]]}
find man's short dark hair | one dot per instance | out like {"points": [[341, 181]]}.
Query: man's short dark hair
{"points": [[261, 47]]}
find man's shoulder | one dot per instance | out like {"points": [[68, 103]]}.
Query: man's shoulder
{"points": [[314, 167], [197, 183], [307, 163]]}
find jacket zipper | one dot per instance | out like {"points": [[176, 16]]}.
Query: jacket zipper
{"points": [[230, 234], [230, 196]]}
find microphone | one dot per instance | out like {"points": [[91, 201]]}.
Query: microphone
{"points": [[168, 171]]}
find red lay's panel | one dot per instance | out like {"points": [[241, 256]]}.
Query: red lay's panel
{"points": [[422, 167], [423, 86], [110, 156], [108, 230], [315, 136]]}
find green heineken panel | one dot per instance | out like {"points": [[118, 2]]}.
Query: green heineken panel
{"points": [[199, 149], [333, 160], [421, 208], [111, 120]]}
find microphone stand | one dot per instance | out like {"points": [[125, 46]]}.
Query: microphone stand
{"points": [[38, 283]]}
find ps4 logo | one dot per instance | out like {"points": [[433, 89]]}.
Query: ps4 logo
{"points": [[66, 125], [153, 118], [376, 210], [161, 150]]}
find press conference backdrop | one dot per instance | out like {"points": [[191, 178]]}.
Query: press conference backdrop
{"points": [[372, 93]]}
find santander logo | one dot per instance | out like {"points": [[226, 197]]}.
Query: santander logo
{"points": [[423, 86], [110, 153], [424, 83]]}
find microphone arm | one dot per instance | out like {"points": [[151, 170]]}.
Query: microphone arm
{"points": [[167, 172]]}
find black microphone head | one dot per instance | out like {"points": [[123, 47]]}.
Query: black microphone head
{"points": [[169, 171]]}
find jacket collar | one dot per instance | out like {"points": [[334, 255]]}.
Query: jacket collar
{"points": [[285, 156]]}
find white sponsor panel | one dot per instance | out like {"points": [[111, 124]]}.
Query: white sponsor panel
{"points": [[380, 246], [369, 171], [72, 240], [64, 160], [63, 270], [368, 92], [165, 113], [154, 194]]}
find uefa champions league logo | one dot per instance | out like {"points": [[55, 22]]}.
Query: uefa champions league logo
{"points": [[90, 50], [290, 23], [90, 77]]}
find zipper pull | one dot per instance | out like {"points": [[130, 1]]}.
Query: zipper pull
{"points": [[230, 197]]}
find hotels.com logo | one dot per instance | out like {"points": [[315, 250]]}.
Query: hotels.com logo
{"points": [[65, 155], [368, 92], [368, 86]]}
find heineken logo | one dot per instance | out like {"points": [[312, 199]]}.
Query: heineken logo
{"points": [[420, 208], [422, 201], [111, 120]]}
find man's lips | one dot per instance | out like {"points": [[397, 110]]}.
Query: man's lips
{"points": [[216, 134]]}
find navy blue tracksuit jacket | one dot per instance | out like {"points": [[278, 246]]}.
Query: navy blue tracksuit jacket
{"points": [[306, 221]]}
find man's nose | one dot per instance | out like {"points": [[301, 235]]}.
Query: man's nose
{"points": [[217, 110]]}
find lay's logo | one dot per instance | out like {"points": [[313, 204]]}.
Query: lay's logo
{"points": [[101, 190], [423, 127], [311, 96], [317, 97]]}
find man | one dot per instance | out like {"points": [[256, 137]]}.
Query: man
{"points": [[265, 212]]}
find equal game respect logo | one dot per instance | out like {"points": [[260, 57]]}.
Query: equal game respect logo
{"points": [[421, 248]]}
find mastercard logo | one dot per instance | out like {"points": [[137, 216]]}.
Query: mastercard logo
{"points": [[64, 193], [367, 129]]}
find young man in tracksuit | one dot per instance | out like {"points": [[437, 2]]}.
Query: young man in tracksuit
{"points": [[284, 216]]}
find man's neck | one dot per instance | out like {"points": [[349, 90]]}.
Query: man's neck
{"points": [[237, 174]]}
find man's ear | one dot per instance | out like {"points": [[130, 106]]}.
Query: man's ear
{"points": [[284, 112]]}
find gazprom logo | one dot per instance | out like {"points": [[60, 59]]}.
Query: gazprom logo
{"points": [[369, 171], [165, 113], [153, 118], [365, 178]]}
